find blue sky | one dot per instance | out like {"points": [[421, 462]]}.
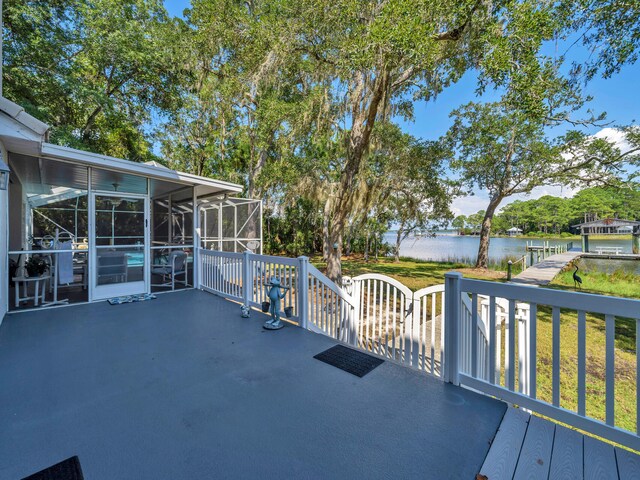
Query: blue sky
{"points": [[619, 97], [176, 7]]}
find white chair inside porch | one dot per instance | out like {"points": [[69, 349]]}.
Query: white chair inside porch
{"points": [[176, 265]]}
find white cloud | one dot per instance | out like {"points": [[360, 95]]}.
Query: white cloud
{"points": [[616, 136], [471, 204]]}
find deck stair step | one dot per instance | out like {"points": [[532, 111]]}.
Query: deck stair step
{"points": [[531, 447]]}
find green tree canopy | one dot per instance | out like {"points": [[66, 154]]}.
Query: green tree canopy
{"points": [[505, 151], [94, 70]]}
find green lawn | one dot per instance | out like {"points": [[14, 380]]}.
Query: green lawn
{"points": [[619, 283], [418, 274], [415, 274]]}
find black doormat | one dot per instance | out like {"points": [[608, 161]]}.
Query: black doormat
{"points": [[349, 360], [68, 469]]}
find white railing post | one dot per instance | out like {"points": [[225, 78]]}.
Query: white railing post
{"points": [[355, 317], [198, 276], [415, 331], [303, 291], [247, 280], [452, 294], [524, 351]]}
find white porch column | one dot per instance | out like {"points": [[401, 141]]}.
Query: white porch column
{"points": [[452, 294], [196, 238], [302, 301], [247, 279], [4, 242]]}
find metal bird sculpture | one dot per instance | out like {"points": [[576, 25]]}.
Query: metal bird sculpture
{"points": [[577, 281], [408, 311]]}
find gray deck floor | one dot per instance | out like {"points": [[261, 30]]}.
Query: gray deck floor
{"points": [[542, 273], [183, 387], [531, 447]]}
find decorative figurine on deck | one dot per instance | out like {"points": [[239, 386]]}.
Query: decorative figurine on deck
{"points": [[347, 284], [245, 311], [275, 295]]}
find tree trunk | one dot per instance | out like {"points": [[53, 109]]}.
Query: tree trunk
{"points": [[396, 252], [358, 143], [253, 222], [86, 130], [326, 214], [366, 248], [485, 233], [334, 264], [254, 173]]}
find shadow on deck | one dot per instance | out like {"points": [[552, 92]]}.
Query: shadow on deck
{"points": [[183, 387]]}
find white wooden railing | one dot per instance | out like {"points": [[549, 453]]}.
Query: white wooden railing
{"points": [[221, 273], [502, 364], [473, 344], [522, 304], [608, 250], [243, 276], [260, 269], [477, 334], [373, 312], [330, 310], [538, 253]]}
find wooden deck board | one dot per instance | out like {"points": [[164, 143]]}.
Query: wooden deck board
{"points": [[628, 464], [535, 456], [502, 458], [542, 273], [567, 457], [599, 460], [535, 448]]}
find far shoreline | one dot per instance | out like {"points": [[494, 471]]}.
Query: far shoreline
{"points": [[536, 237]]}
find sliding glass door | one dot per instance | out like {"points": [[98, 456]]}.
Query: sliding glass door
{"points": [[120, 239]]}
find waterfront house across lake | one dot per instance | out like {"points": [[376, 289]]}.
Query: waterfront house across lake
{"points": [[514, 231], [607, 226]]}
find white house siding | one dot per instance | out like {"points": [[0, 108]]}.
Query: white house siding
{"points": [[16, 199]]}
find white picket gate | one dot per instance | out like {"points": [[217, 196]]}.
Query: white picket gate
{"points": [[398, 324]]}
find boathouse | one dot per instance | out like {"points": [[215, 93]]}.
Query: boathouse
{"points": [[610, 226]]}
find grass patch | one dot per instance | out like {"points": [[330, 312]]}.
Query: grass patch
{"points": [[619, 283], [625, 359], [415, 274]]}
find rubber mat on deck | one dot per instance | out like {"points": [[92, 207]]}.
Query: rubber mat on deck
{"points": [[351, 361]]}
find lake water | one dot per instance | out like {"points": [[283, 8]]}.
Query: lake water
{"points": [[608, 266], [444, 247]]}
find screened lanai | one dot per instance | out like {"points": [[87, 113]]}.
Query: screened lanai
{"points": [[231, 224], [84, 227]]}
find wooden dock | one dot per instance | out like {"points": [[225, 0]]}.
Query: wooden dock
{"points": [[612, 256], [531, 447], [542, 273]]}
